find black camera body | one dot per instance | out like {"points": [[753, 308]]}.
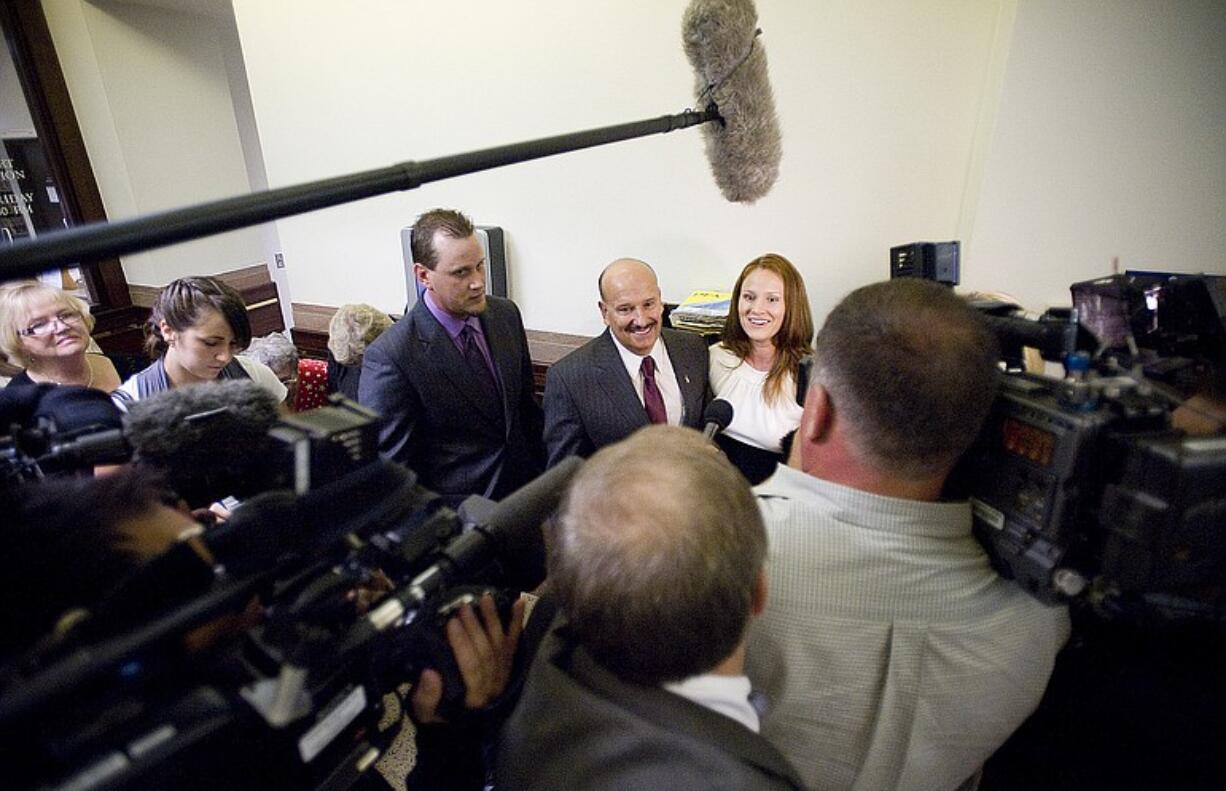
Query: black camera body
{"points": [[1079, 486], [1073, 495], [299, 699], [324, 444], [219, 445]]}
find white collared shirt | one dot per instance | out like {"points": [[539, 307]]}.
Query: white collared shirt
{"points": [[893, 655], [666, 377], [727, 695]]}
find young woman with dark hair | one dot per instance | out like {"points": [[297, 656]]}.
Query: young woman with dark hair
{"points": [[196, 329]]}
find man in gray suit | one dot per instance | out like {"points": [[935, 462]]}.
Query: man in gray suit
{"points": [[632, 375], [656, 562], [453, 378]]}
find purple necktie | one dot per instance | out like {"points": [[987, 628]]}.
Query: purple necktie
{"points": [[476, 360], [652, 400]]}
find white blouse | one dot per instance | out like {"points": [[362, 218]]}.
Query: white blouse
{"points": [[754, 421]]}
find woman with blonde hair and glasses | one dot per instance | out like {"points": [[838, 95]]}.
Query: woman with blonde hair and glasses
{"points": [[45, 331], [756, 366]]}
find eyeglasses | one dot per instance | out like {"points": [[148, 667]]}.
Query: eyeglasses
{"points": [[43, 327]]}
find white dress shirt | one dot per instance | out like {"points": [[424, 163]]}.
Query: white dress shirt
{"points": [[666, 377], [727, 695]]}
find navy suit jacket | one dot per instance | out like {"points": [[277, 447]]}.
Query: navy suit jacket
{"points": [[590, 400], [436, 417]]}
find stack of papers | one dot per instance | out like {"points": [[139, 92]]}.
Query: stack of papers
{"points": [[702, 311]]}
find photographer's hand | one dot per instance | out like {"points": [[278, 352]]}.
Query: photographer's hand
{"points": [[484, 653]]}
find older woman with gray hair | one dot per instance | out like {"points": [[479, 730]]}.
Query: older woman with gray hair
{"points": [[278, 353], [305, 380], [352, 329]]}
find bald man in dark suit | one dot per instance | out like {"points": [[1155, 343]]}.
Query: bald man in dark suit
{"points": [[632, 375]]}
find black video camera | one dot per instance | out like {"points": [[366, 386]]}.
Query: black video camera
{"points": [[209, 441], [305, 698], [48, 430], [1080, 486]]}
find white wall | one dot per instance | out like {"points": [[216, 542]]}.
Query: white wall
{"points": [[152, 96], [880, 110], [1110, 142], [253, 151], [1049, 135], [15, 118]]}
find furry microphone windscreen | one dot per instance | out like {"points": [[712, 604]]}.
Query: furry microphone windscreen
{"points": [[208, 440], [722, 44]]}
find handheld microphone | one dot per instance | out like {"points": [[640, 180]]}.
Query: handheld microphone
{"points": [[87, 449], [717, 416], [721, 42]]}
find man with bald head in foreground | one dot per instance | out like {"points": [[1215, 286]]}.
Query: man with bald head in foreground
{"points": [[656, 563], [634, 374]]}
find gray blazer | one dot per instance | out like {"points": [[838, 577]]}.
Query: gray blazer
{"points": [[436, 419], [590, 401], [578, 726]]}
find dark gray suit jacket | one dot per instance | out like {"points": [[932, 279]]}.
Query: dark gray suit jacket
{"points": [[590, 401], [579, 727], [435, 417]]}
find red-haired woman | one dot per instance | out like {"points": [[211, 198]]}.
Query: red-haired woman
{"points": [[756, 365]]}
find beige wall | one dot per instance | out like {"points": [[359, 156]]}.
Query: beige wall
{"points": [[14, 114], [1049, 136], [1110, 143], [153, 100], [878, 127]]}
